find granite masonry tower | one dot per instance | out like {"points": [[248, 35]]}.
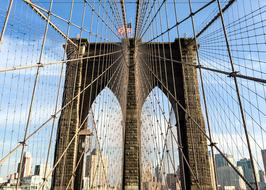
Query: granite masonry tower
{"points": [[131, 75]]}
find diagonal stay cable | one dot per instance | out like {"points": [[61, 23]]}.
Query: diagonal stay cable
{"points": [[100, 17], [114, 13], [142, 26], [180, 22], [109, 16], [67, 21], [38, 9], [28, 2], [215, 18], [152, 20], [6, 20]]}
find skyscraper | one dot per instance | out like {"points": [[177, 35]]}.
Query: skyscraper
{"points": [[26, 165], [220, 161], [172, 181], [96, 169], [262, 176], [39, 170], [212, 171], [263, 154], [147, 173], [158, 173], [246, 165], [262, 179], [226, 175]]}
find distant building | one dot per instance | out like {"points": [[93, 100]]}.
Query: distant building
{"points": [[86, 183], [39, 170], [152, 185], [26, 183], [172, 182], [262, 179], [262, 176], [227, 178], [26, 165], [212, 171], [86, 186], [147, 174], [263, 154], [246, 165], [2, 180], [96, 170], [87, 144], [9, 187], [148, 181], [34, 182], [13, 176], [158, 173], [220, 161], [229, 188]]}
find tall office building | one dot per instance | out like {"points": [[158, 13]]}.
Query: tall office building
{"points": [[220, 161], [227, 177], [246, 165], [263, 154], [87, 144], [152, 186], [262, 176], [26, 165], [172, 181], [96, 169], [262, 180], [39, 170], [147, 174], [212, 171], [158, 173], [148, 181]]}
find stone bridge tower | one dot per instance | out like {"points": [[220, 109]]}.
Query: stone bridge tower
{"points": [[131, 64]]}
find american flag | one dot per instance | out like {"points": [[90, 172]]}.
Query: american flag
{"points": [[121, 30]]}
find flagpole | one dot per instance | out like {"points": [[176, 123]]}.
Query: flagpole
{"points": [[131, 27]]}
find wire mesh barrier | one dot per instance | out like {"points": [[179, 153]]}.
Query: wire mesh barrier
{"points": [[106, 94]]}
